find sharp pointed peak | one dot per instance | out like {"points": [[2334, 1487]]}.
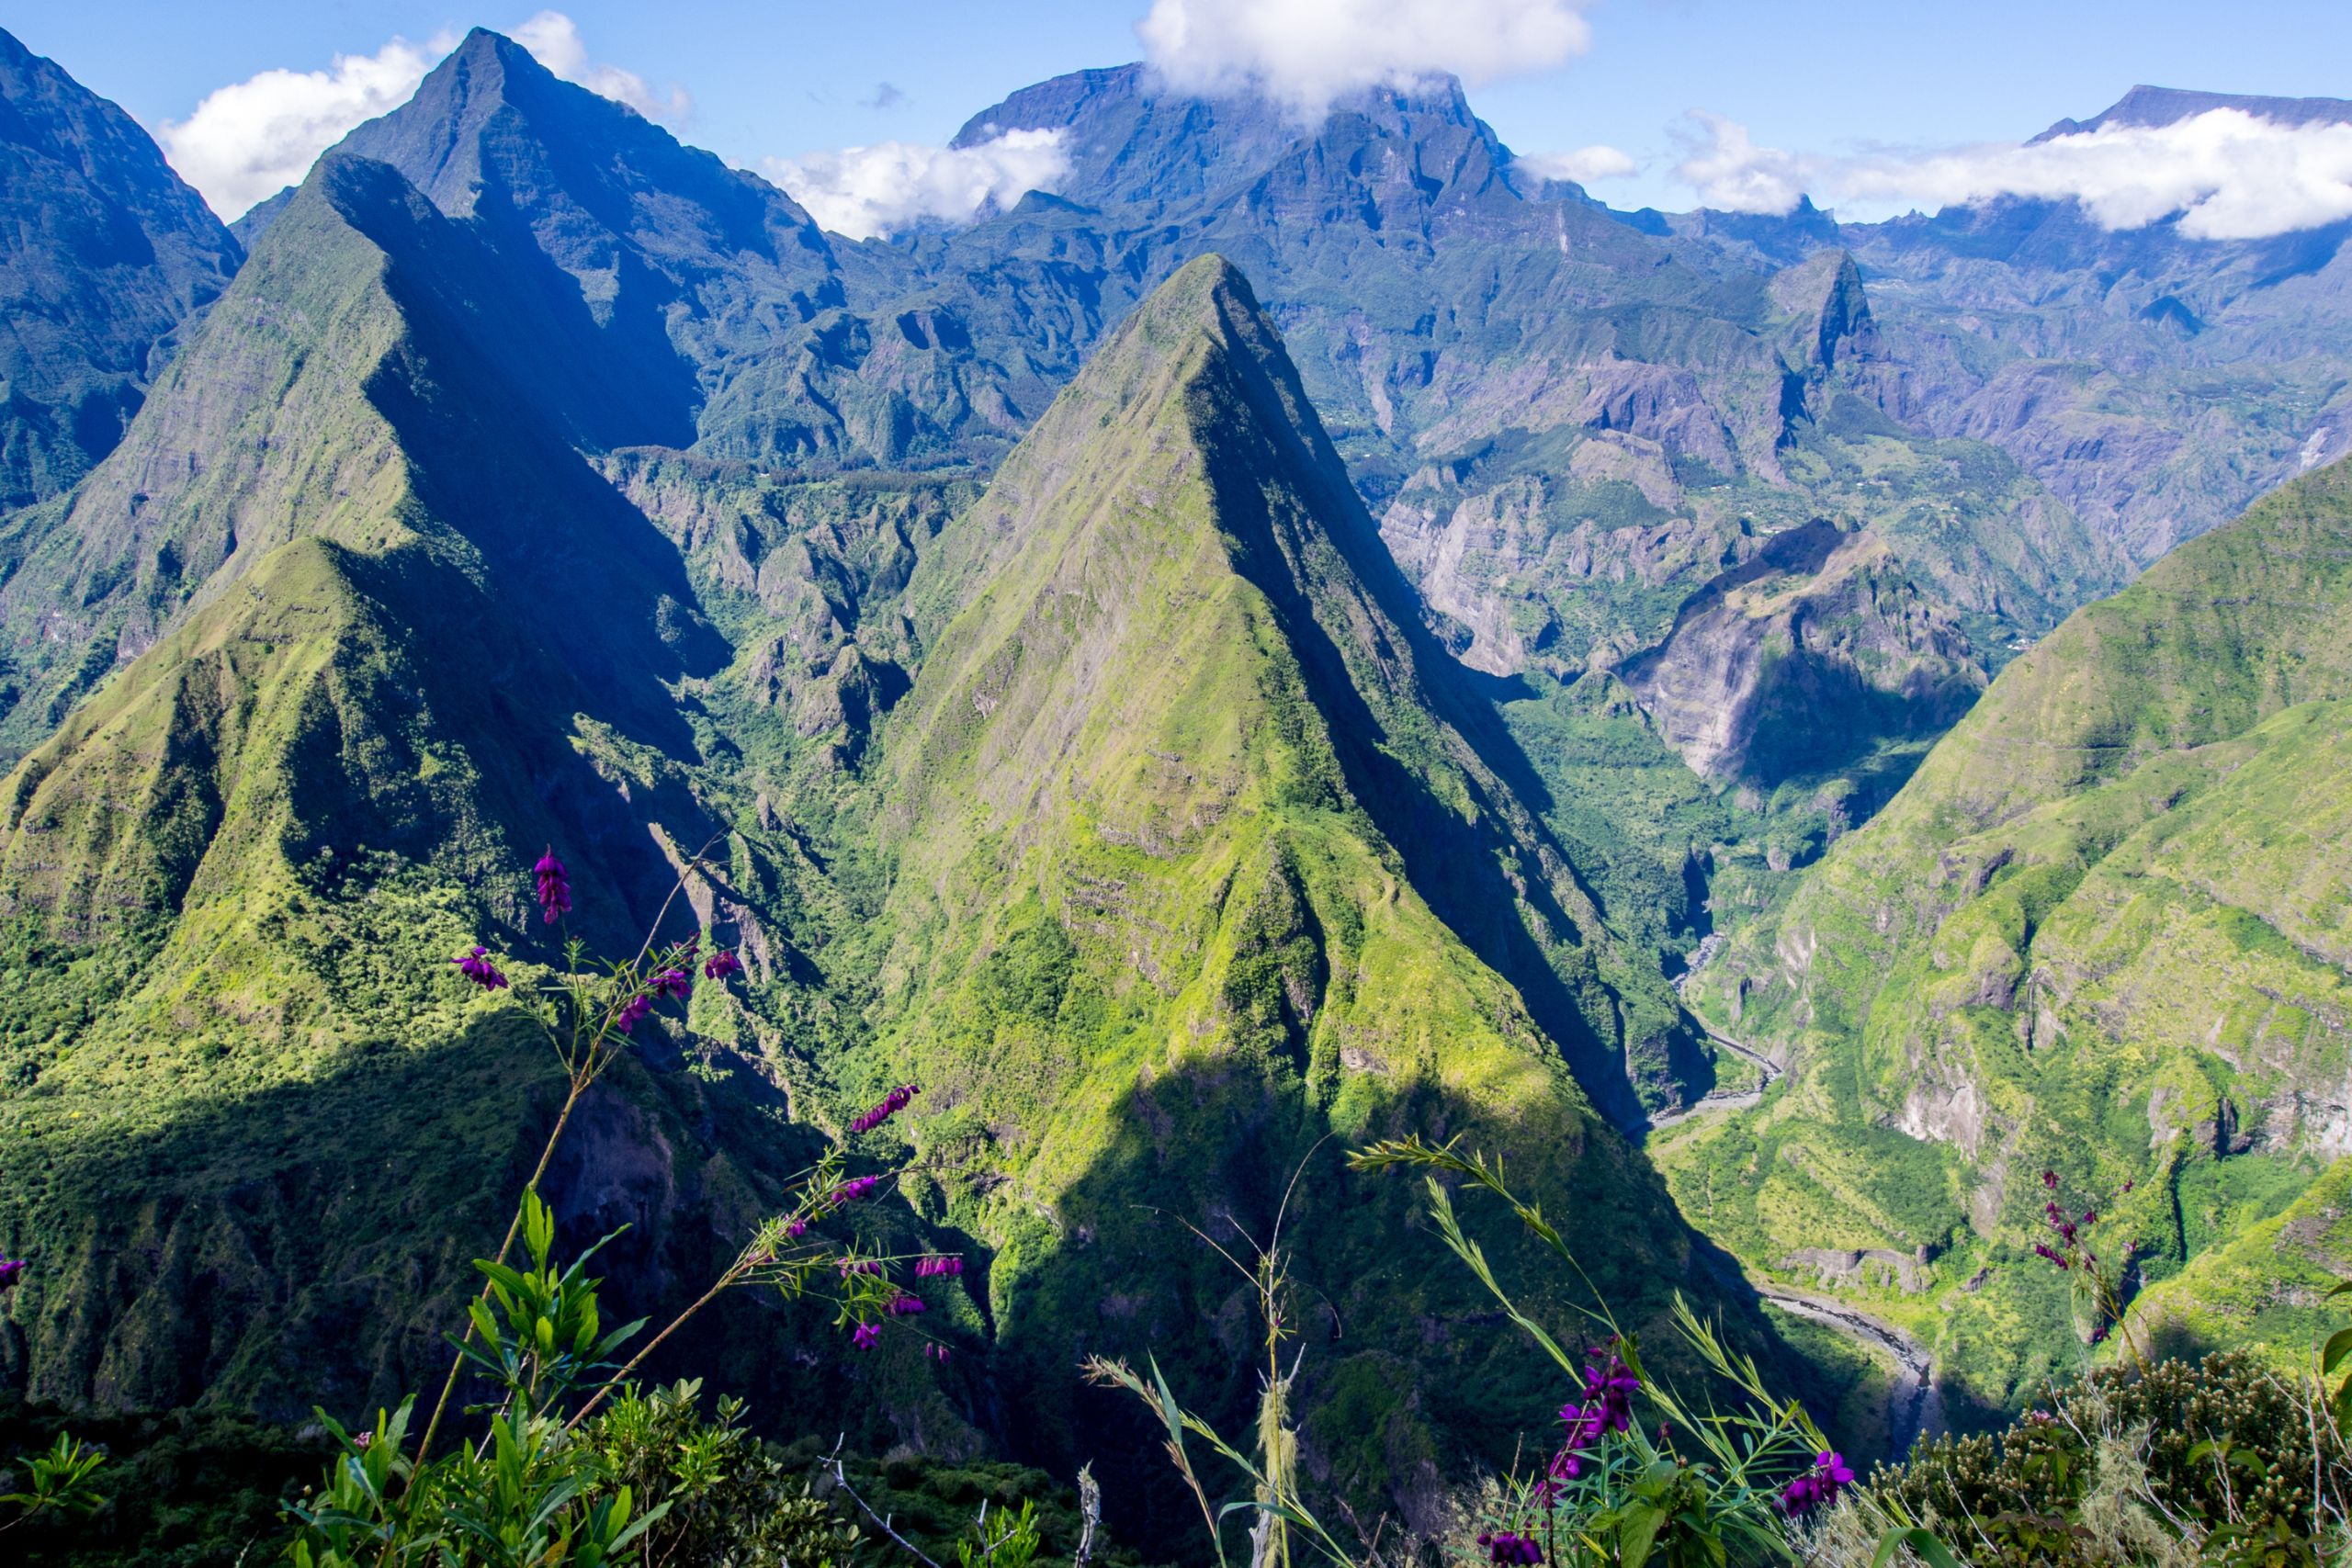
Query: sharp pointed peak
{"points": [[1206, 299], [1200, 293]]}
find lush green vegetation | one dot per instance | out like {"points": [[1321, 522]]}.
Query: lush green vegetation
{"points": [[1130, 801], [2102, 929]]}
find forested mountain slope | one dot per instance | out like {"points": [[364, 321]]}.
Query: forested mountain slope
{"points": [[2102, 931]]}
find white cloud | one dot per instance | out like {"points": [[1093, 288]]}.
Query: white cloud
{"points": [[554, 39], [2226, 173], [1584, 165], [865, 191], [1305, 54], [1723, 165], [254, 138]]}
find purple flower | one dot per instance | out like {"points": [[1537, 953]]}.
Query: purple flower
{"points": [[11, 1271], [796, 1229], [632, 1012], [865, 1335], [891, 1104], [860, 1265], [929, 1265], [555, 887], [1609, 1389], [1505, 1547], [720, 965], [476, 967], [905, 1305], [849, 1191], [2049, 1179], [1817, 1486], [2042, 1251], [672, 983], [936, 1352]]}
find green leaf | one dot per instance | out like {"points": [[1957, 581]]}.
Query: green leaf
{"points": [[2340, 1345], [1930, 1550], [1638, 1533]]}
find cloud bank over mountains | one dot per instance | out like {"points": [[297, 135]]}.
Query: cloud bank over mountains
{"points": [[1584, 165], [252, 139], [892, 186], [2227, 174], [555, 42], [1305, 54]]}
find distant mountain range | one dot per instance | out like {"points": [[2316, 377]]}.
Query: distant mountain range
{"points": [[1296, 632]]}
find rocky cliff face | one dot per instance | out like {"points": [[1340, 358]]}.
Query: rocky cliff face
{"points": [[1808, 656]]}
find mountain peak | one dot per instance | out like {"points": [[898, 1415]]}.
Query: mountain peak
{"points": [[1130, 137], [2148, 108]]}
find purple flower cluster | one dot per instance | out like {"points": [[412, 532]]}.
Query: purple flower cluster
{"points": [[860, 1265], [12, 1269], [796, 1229], [555, 887], [1503, 1546], [1607, 1406], [2071, 1249], [865, 1335], [892, 1103], [632, 1012], [720, 965], [933, 1264], [1816, 1487], [476, 967], [936, 1352], [849, 1191], [672, 983], [903, 1305]]}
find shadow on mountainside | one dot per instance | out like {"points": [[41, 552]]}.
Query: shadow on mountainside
{"points": [[310, 1243], [1492, 872], [1408, 1374]]}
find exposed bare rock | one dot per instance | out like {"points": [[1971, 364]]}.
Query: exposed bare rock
{"points": [[1805, 654], [1867, 1265]]}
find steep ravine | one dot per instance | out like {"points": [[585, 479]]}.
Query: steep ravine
{"points": [[1914, 1405], [1721, 1100]]}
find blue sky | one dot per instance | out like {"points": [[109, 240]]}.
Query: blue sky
{"points": [[782, 78]]}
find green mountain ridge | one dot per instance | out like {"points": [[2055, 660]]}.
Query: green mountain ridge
{"points": [[2101, 931], [1162, 919], [232, 880]]}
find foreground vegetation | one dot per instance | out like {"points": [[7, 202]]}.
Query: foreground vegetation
{"points": [[565, 1456]]}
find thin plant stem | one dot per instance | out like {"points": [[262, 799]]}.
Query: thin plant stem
{"points": [[583, 1071], [531, 1187], [841, 1479], [729, 1278]]}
